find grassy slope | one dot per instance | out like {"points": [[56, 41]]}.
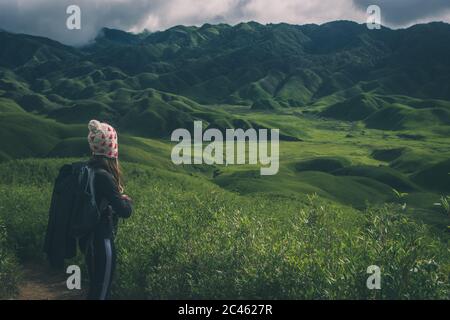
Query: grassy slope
{"points": [[182, 216], [364, 175], [190, 239]]}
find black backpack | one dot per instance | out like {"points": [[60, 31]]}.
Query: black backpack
{"points": [[85, 212], [73, 212]]}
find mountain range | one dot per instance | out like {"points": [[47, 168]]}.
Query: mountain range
{"points": [[361, 112], [261, 66], [151, 83]]}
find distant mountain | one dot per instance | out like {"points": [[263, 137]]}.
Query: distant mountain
{"points": [[250, 61], [339, 69]]}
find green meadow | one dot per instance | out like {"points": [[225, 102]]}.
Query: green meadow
{"points": [[338, 205]]}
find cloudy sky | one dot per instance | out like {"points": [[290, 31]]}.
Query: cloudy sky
{"points": [[48, 17]]}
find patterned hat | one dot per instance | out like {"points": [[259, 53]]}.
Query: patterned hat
{"points": [[103, 139]]}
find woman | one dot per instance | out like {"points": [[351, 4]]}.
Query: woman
{"points": [[100, 252]]}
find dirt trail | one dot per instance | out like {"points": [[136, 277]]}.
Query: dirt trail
{"points": [[41, 283]]}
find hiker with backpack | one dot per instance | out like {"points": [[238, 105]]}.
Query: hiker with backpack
{"points": [[87, 202]]}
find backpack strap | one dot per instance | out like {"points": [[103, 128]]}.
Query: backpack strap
{"points": [[90, 182], [91, 177]]}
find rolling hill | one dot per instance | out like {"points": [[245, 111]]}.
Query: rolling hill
{"points": [[360, 112], [351, 72]]}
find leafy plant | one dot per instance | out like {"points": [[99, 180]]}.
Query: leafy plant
{"points": [[444, 203], [400, 196], [9, 274], [189, 239]]}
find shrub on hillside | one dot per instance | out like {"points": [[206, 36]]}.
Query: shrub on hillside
{"points": [[190, 239], [223, 247]]}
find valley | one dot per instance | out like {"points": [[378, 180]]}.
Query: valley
{"points": [[364, 156]]}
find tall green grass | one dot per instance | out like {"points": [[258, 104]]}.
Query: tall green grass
{"points": [[9, 274], [189, 239]]}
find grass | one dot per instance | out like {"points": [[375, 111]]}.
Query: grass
{"points": [[322, 164], [236, 234], [435, 177], [9, 275], [349, 170], [382, 174], [190, 239], [8, 105]]}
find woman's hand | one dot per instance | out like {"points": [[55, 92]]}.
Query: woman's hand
{"points": [[126, 197]]}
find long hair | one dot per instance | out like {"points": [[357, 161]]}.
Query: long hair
{"points": [[110, 165]]}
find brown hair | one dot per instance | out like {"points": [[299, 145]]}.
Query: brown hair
{"points": [[110, 165]]}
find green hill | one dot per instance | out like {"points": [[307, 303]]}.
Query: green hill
{"points": [[352, 73], [310, 250], [435, 177]]}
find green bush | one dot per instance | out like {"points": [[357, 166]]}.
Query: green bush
{"points": [[190, 239], [9, 275], [219, 246], [24, 210]]}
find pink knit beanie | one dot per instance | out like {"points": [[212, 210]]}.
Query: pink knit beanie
{"points": [[103, 139]]}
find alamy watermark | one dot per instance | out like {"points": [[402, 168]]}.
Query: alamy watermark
{"points": [[239, 147], [373, 17], [73, 22], [73, 282], [374, 280]]}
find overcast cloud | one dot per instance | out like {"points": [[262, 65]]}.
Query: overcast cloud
{"points": [[48, 17]]}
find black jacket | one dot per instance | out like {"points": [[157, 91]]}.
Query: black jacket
{"points": [[58, 245], [110, 202]]}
